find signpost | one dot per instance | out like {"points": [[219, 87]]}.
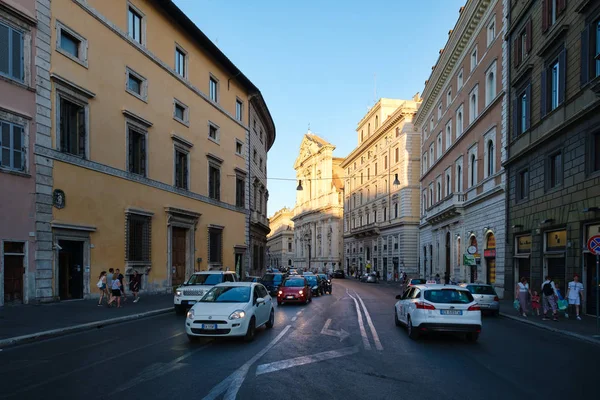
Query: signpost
{"points": [[594, 248]]}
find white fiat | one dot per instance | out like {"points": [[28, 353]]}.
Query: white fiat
{"points": [[197, 286], [438, 308], [231, 309]]}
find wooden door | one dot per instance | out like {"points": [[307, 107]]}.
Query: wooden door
{"points": [[178, 253], [13, 278]]}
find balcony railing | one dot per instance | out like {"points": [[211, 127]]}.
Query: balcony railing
{"points": [[449, 205], [259, 218]]}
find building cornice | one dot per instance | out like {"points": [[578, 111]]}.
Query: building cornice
{"points": [[460, 37]]}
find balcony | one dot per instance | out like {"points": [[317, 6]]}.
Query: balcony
{"points": [[371, 229], [450, 207], [257, 218]]}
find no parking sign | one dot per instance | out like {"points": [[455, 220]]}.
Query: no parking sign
{"points": [[594, 245]]}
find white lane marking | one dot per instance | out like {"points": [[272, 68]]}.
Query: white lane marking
{"points": [[231, 385], [294, 319], [294, 362], [87, 366], [363, 332], [299, 312], [373, 331], [342, 334]]}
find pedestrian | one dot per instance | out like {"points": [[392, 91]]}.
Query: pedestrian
{"points": [[535, 303], [575, 295], [389, 276], [378, 276], [404, 277], [109, 279], [116, 292], [102, 286], [549, 299], [522, 292], [438, 279], [134, 285], [121, 278]]}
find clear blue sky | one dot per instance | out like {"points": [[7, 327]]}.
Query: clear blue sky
{"points": [[316, 61]]}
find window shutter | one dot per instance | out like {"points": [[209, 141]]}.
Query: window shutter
{"points": [[543, 95], [585, 55], [529, 33], [516, 52], [184, 160], [17, 55], [81, 131], [18, 148], [64, 112], [545, 21], [561, 5], [217, 184], [562, 77], [177, 169], [515, 116], [143, 154], [528, 108], [131, 152], [4, 32]]}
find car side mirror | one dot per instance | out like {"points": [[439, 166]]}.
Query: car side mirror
{"points": [[399, 297], [260, 301]]}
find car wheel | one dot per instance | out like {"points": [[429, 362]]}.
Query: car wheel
{"points": [[179, 310], [472, 337], [396, 320], [192, 338], [251, 330], [412, 332], [271, 320]]}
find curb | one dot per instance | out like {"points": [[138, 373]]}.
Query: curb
{"points": [[34, 337], [549, 328]]}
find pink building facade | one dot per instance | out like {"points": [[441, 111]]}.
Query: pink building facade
{"points": [[18, 31]]}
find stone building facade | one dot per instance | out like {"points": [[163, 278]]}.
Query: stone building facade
{"points": [[554, 148], [462, 229], [280, 241], [381, 192], [319, 209]]}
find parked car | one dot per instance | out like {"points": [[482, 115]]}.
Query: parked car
{"points": [[339, 274], [272, 282], [326, 283], [252, 279], [199, 283], [314, 282], [438, 308], [294, 289], [231, 309], [486, 296]]}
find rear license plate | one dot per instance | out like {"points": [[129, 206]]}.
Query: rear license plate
{"points": [[209, 326], [451, 312], [289, 297]]}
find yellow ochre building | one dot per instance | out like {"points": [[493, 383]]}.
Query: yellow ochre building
{"points": [[143, 142]]}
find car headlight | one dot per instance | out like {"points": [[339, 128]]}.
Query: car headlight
{"points": [[237, 314], [280, 292], [178, 293], [190, 314], [301, 292], [328, 280]]}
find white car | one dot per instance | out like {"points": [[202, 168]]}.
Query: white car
{"points": [[197, 286], [438, 308], [231, 309]]}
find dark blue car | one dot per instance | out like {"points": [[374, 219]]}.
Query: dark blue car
{"points": [[272, 281]]}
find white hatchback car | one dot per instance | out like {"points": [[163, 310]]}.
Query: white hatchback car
{"points": [[231, 309], [438, 308]]}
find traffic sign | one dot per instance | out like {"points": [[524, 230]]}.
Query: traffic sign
{"points": [[594, 245]]}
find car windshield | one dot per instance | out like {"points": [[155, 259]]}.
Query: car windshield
{"points": [[481, 289], [448, 296], [312, 279], [323, 276], [227, 294], [205, 279], [418, 281], [294, 283], [272, 278]]}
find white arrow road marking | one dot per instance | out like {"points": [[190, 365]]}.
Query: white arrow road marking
{"points": [[294, 319], [373, 331], [363, 332], [342, 334], [231, 385], [294, 362]]}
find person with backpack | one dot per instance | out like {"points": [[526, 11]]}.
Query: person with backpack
{"points": [[549, 298]]}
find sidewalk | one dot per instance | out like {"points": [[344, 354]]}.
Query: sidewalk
{"points": [[27, 323], [583, 330]]}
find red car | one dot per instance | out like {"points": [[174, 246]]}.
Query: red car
{"points": [[294, 289]]}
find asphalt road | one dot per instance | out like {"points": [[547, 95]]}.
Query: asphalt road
{"points": [[305, 356]]}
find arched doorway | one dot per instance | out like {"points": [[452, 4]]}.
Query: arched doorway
{"points": [[448, 260], [490, 258]]}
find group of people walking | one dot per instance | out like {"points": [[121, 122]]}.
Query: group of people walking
{"points": [[112, 287], [550, 298]]}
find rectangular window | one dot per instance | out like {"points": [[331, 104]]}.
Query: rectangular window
{"points": [[555, 170], [397, 152], [439, 146], [12, 146], [180, 62], [240, 192], [459, 121], [448, 97], [290, 247], [135, 25], [215, 245], [239, 108], [473, 59], [214, 182], [459, 80], [439, 112], [181, 169], [179, 112], [73, 128], [473, 104], [139, 233], [491, 33], [213, 86], [213, 132], [137, 152], [448, 134], [551, 10], [134, 84], [11, 53], [239, 147], [490, 84], [522, 110], [69, 43], [554, 85], [523, 184]]}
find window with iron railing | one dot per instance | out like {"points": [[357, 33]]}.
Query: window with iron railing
{"points": [[138, 238]]}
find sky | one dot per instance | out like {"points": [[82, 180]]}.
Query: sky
{"points": [[324, 63]]}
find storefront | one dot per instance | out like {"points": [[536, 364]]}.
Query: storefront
{"points": [[589, 278], [490, 259], [555, 245], [522, 258]]}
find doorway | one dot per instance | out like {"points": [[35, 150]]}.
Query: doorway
{"points": [[448, 259], [178, 255], [14, 270], [591, 284], [70, 269]]}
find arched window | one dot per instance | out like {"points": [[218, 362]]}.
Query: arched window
{"points": [[376, 122], [472, 169], [424, 202], [459, 178], [490, 161]]}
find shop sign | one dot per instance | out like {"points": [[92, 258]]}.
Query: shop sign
{"points": [[524, 244], [490, 253], [491, 242], [472, 250], [556, 240], [468, 260]]}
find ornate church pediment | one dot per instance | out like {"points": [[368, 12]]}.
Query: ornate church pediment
{"points": [[311, 144]]}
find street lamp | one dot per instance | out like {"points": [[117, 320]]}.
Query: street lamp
{"points": [[396, 181], [299, 187]]}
